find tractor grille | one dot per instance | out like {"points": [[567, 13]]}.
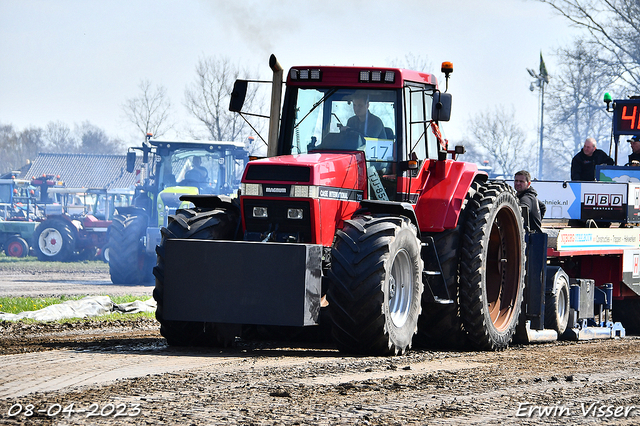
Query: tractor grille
{"points": [[264, 172], [277, 224]]}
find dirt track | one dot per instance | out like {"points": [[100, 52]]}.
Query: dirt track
{"points": [[36, 279], [126, 374]]}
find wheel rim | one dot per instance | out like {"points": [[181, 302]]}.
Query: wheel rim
{"points": [[563, 301], [400, 288], [50, 242], [503, 269], [15, 249]]}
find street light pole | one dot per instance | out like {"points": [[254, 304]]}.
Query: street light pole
{"points": [[541, 79], [541, 152]]}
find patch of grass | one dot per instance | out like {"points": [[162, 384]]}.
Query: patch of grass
{"points": [[15, 305], [116, 316], [9, 259]]}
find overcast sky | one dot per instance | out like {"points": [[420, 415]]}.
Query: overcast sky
{"points": [[80, 60]]}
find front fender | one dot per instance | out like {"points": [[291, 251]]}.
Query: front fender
{"points": [[390, 207], [440, 202], [130, 211], [213, 202]]}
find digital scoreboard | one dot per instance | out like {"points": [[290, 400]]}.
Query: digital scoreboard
{"points": [[626, 117]]}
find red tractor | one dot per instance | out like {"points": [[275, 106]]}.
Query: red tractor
{"points": [[76, 223], [360, 218]]}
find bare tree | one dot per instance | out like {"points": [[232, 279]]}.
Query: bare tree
{"points": [[575, 107], [94, 140], [612, 25], [58, 138], [18, 148], [498, 139], [414, 62], [207, 98], [150, 110]]}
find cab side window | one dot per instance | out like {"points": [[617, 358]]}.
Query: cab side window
{"points": [[420, 137], [416, 126]]}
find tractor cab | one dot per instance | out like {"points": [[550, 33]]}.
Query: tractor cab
{"points": [[389, 115], [169, 170], [331, 119], [209, 169], [18, 200]]}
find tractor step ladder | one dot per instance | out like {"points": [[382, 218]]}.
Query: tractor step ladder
{"points": [[432, 275]]}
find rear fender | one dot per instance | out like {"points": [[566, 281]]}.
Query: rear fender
{"points": [[74, 223], [440, 202]]}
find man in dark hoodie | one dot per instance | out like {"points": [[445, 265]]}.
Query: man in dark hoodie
{"points": [[528, 196], [583, 165]]}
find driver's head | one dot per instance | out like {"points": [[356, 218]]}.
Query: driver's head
{"points": [[196, 161], [360, 105]]}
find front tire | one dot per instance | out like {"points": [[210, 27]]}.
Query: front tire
{"points": [[375, 285], [556, 311], [16, 247], [492, 267], [104, 253], [54, 240], [194, 224]]}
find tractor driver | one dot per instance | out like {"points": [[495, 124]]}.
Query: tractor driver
{"points": [[363, 121], [197, 173]]}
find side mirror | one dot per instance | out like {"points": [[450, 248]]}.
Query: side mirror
{"points": [[131, 161], [238, 95], [441, 107]]}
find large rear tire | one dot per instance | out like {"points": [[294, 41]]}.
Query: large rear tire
{"points": [[194, 224], [54, 240], [492, 267], [128, 262], [375, 285], [556, 310]]}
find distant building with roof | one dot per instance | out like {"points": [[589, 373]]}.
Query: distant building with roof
{"points": [[106, 171]]}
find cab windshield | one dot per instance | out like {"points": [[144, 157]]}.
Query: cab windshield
{"points": [[345, 119], [217, 172]]}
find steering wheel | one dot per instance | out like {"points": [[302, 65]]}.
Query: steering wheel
{"points": [[353, 137]]}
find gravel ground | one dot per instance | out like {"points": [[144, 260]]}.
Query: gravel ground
{"points": [[123, 372]]}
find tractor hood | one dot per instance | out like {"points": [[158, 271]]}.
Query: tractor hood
{"points": [[169, 201], [170, 196], [326, 169]]}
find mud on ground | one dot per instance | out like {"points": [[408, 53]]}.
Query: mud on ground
{"points": [[124, 373]]}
